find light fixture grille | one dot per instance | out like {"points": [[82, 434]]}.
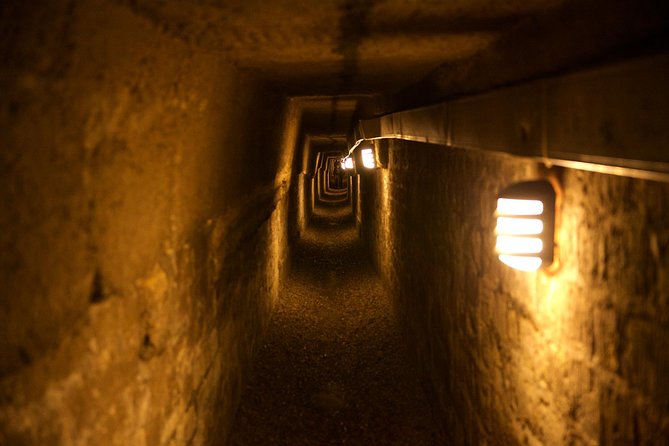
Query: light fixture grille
{"points": [[368, 158], [525, 225]]}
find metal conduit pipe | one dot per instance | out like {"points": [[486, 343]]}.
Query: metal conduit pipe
{"points": [[611, 119]]}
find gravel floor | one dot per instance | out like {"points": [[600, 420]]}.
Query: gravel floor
{"points": [[332, 370]]}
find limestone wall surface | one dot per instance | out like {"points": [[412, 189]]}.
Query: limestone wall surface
{"points": [[143, 209], [576, 357]]}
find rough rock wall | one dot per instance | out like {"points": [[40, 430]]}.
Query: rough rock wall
{"points": [[303, 203], [143, 208], [578, 357], [373, 220]]}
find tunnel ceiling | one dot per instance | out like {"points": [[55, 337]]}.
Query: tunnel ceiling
{"points": [[407, 52], [327, 115], [329, 46], [339, 47]]}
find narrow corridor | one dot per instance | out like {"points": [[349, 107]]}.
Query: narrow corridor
{"points": [[366, 222], [333, 369]]}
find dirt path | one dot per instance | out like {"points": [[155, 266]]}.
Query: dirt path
{"points": [[332, 370]]}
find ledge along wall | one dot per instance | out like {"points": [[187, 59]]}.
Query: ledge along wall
{"points": [[143, 196], [577, 357]]}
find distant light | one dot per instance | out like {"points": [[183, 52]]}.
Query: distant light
{"points": [[368, 158], [526, 225], [348, 163]]}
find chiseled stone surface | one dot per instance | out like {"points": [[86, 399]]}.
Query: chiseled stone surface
{"points": [[142, 229], [576, 357]]}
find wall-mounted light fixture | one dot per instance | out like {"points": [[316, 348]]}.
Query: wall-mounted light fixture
{"points": [[526, 225], [347, 163], [368, 160], [369, 156]]}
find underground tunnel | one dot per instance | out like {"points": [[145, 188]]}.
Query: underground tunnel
{"points": [[337, 222]]}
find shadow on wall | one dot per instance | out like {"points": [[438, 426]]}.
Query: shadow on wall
{"points": [[574, 357]]}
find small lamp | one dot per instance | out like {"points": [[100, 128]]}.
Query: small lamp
{"points": [[526, 225], [368, 160], [347, 163]]}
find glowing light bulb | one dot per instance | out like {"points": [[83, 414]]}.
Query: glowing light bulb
{"points": [[510, 225], [510, 206], [526, 225], [348, 163], [368, 158], [508, 244]]}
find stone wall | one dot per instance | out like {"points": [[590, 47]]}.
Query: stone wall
{"points": [[143, 210], [303, 208], [372, 216], [576, 357]]}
